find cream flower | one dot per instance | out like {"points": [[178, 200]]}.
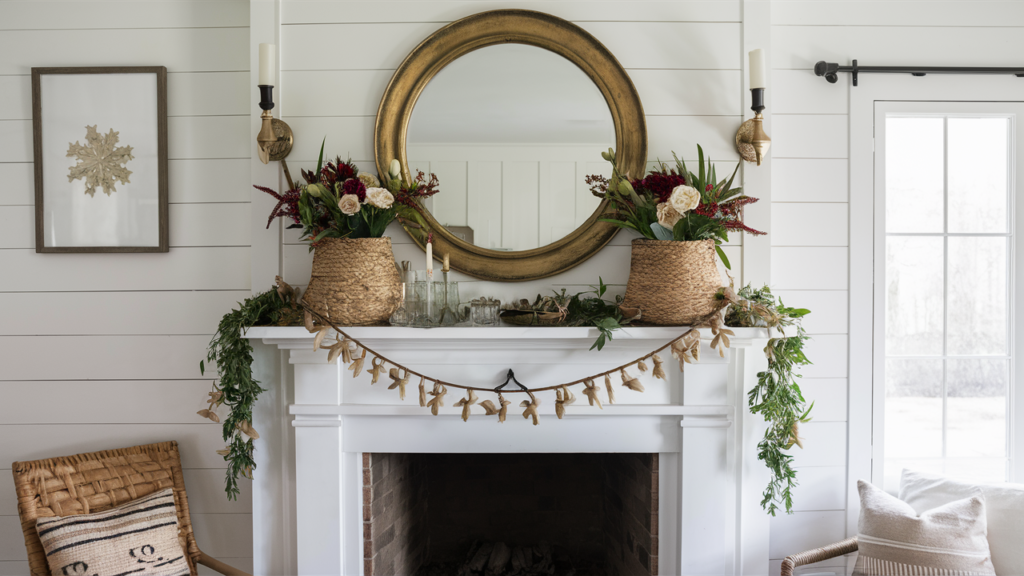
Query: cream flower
{"points": [[667, 215], [684, 198], [369, 180], [379, 197], [349, 204]]}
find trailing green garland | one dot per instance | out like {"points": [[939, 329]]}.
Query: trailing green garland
{"points": [[777, 395], [231, 352]]}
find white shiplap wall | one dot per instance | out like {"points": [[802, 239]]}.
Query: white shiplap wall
{"points": [[101, 351]]}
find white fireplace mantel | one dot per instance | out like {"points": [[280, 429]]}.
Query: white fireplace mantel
{"points": [[710, 480]]}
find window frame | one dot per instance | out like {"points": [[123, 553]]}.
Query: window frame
{"points": [[944, 110]]}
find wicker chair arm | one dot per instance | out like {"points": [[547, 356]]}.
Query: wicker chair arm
{"points": [[817, 555], [220, 566]]}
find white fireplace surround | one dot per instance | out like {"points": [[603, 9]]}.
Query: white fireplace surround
{"points": [[308, 492]]}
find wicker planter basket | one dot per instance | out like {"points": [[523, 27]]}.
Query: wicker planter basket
{"points": [[354, 282], [672, 283]]}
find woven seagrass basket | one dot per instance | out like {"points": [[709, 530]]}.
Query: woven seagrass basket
{"points": [[354, 281], [672, 283]]}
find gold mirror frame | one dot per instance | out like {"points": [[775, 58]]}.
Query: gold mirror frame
{"points": [[519, 27]]}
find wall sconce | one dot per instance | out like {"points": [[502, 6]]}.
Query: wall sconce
{"points": [[275, 138], [751, 141]]}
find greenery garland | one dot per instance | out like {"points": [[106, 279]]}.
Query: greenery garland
{"points": [[231, 352], [777, 395]]}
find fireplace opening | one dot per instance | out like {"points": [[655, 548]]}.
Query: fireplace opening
{"points": [[510, 514]]}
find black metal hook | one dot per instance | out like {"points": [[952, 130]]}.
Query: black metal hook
{"points": [[511, 377]]}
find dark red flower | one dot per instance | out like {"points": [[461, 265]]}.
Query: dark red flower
{"points": [[287, 204], [354, 186], [659, 184]]}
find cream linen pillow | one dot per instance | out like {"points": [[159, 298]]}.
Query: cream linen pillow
{"points": [[1004, 508], [139, 538], [894, 540]]}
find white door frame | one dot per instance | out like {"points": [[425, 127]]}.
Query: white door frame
{"points": [[933, 88]]}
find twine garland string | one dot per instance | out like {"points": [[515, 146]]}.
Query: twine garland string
{"points": [[684, 352]]}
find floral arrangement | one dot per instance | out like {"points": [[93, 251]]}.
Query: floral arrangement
{"points": [[339, 201], [675, 204]]}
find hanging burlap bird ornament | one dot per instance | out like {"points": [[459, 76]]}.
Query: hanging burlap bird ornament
{"points": [[423, 392], [319, 338], [563, 397], [465, 403], [608, 387], [357, 364], [438, 397], [721, 339], [503, 411], [630, 382], [377, 367], [641, 365], [398, 382], [659, 371], [489, 408], [531, 408], [591, 392]]}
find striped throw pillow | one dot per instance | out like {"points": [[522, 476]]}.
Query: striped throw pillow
{"points": [[945, 541], [139, 538]]}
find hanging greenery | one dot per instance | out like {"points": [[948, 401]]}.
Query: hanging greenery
{"points": [[231, 352], [777, 395]]}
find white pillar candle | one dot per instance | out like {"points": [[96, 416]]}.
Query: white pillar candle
{"points": [[268, 64], [757, 69]]}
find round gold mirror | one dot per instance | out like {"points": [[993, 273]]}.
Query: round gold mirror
{"points": [[511, 109]]}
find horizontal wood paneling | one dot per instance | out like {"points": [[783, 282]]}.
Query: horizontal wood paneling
{"points": [[810, 268], [829, 398], [317, 11], [197, 443], [897, 13], [190, 225], [824, 445], [810, 136], [208, 137], [16, 94], [149, 14], [829, 356], [799, 47], [829, 309], [124, 401], [820, 488], [19, 183], [801, 92], [179, 269], [814, 180], [102, 357], [810, 224], [116, 313], [15, 140], [208, 180], [792, 533], [193, 49]]}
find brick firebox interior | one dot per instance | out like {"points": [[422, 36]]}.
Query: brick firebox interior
{"points": [[428, 510]]}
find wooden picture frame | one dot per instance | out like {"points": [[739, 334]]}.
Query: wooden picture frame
{"points": [[78, 96]]}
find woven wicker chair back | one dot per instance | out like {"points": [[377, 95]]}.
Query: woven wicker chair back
{"points": [[98, 481]]}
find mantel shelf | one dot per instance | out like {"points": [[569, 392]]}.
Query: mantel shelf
{"points": [[577, 410]]}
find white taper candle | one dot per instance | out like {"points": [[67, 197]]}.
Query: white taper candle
{"points": [[757, 78], [268, 65]]}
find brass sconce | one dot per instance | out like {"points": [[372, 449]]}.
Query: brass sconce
{"points": [[751, 141], [275, 138]]}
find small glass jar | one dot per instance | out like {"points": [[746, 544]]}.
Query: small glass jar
{"points": [[485, 312]]}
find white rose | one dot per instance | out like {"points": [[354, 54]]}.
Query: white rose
{"points": [[395, 169], [368, 180], [379, 197], [684, 198], [667, 215], [349, 204]]}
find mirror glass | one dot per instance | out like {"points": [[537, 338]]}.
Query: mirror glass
{"points": [[511, 131]]}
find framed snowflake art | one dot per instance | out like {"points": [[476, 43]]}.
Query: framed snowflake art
{"points": [[100, 150]]}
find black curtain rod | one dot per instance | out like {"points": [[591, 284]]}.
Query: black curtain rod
{"points": [[830, 70]]}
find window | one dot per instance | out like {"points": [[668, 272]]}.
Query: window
{"points": [[945, 239]]}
